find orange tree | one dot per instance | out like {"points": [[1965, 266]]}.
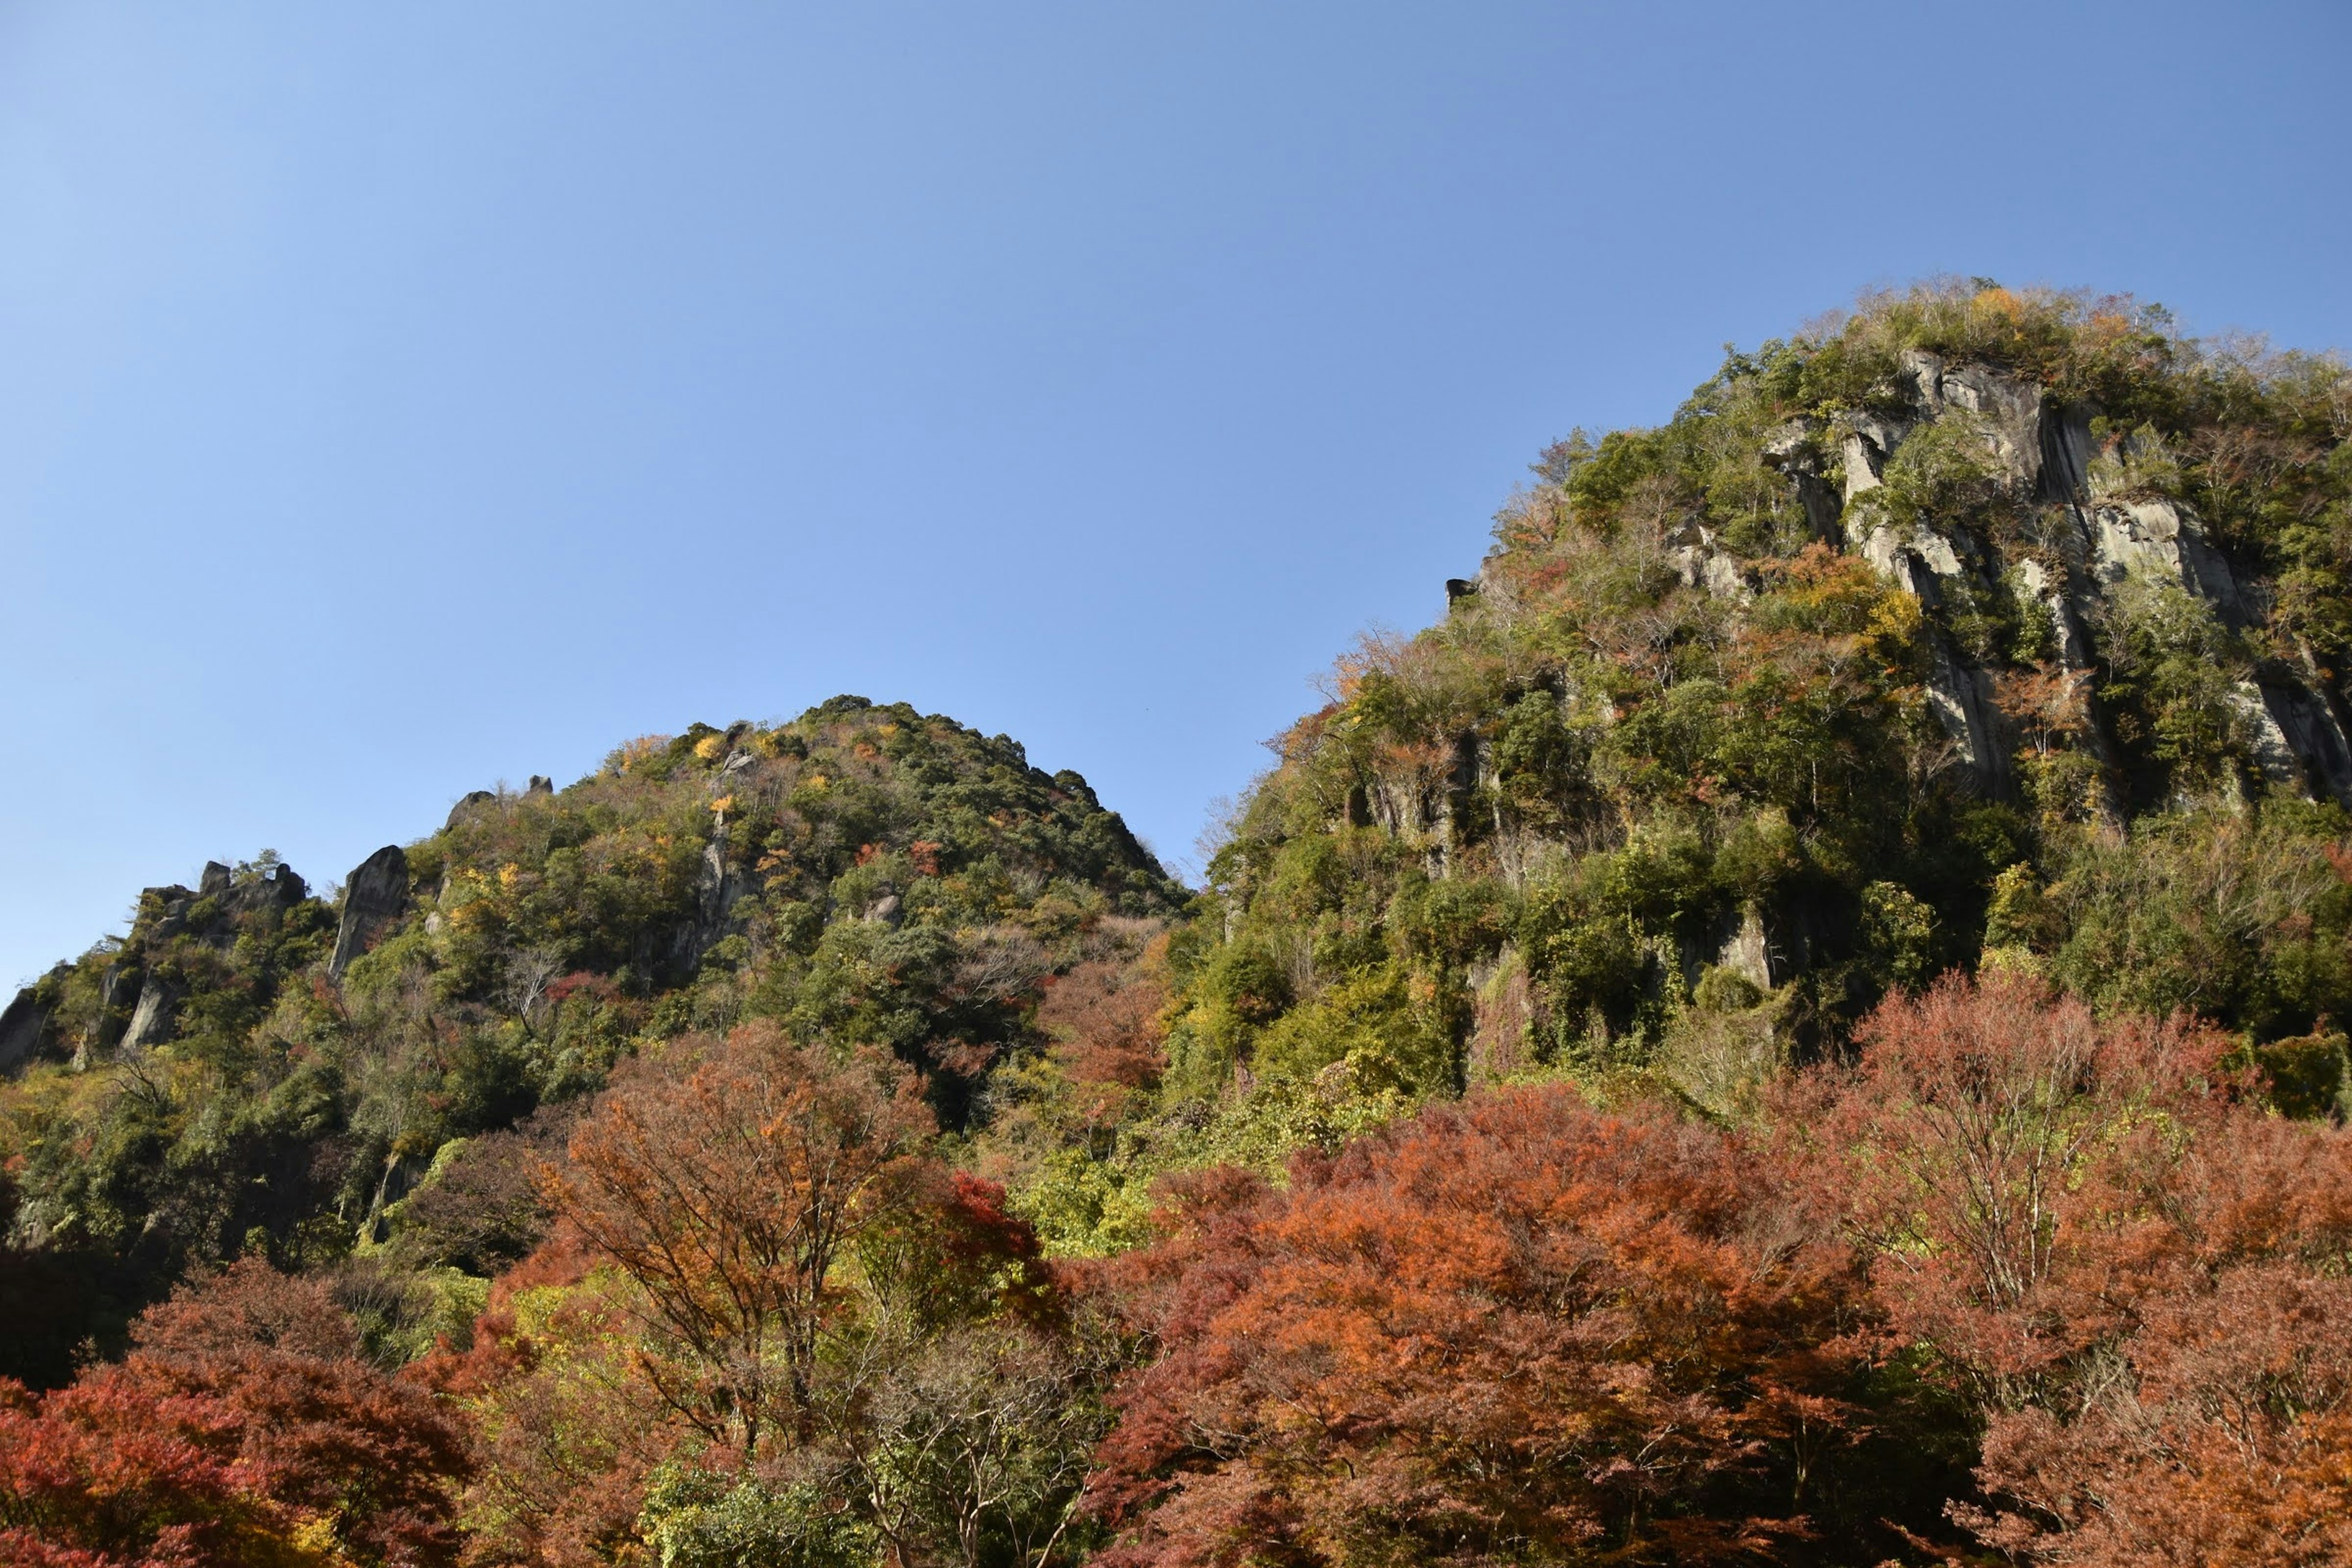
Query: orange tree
{"points": [[1513, 1329]]}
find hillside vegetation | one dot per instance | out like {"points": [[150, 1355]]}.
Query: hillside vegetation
{"points": [[1801, 1022]]}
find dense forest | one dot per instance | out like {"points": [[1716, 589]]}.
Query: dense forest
{"points": [[1801, 1021]]}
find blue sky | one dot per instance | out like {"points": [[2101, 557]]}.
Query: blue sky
{"points": [[397, 399]]}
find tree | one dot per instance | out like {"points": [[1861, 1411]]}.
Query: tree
{"points": [[243, 1428], [726, 1178], [2128, 1266], [1512, 1329]]}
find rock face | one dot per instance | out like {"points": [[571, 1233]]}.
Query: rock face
{"points": [[468, 805], [138, 1007], [2090, 542], [24, 1031], [157, 1014], [374, 895]]}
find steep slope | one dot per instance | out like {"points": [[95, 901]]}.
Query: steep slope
{"points": [[252, 1069], [1970, 627]]}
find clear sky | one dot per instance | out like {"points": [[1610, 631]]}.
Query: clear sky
{"points": [[395, 399]]}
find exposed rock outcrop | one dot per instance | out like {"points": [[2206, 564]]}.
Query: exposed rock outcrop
{"points": [[374, 895], [469, 804], [210, 913], [158, 1012], [25, 1030]]}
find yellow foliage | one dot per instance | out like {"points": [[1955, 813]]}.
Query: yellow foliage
{"points": [[709, 746], [313, 1540], [638, 750], [509, 874], [817, 782], [1996, 301], [1895, 624], [723, 805]]}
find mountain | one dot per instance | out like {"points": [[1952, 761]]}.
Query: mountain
{"points": [[1800, 1021], [252, 1069]]}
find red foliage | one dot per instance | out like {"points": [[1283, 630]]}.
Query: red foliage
{"points": [[1104, 1017], [243, 1416], [1511, 1328], [2133, 1270], [725, 1179]]}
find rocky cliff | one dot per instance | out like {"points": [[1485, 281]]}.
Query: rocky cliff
{"points": [[1967, 626]]}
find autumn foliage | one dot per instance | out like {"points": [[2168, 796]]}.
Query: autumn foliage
{"points": [[1514, 1329], [243, 1428], [2015, 1278], [2124, 1261], [726, 1182]]}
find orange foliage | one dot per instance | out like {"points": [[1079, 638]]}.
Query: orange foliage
{"points": [[1104, 1017], [2132, 1269], [725, 1179], [1512, 1328], [243, 1421]]}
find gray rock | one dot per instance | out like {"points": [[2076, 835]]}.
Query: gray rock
{"points": [[24, 1030], [2011, 413], [214, 881], [158, 1014], [1867, 443], [1701, 565], [277, 889], [2048, 589], [2066, 453], [374, 895], [539, 784], [2165, 539], [2308, 728], [1790, 449], [1747, 953], [1962, 696], [468, 806], [118, 990], [2010, 410], [716, 888]]}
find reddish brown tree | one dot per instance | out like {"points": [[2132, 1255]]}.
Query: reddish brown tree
{"points": [[1104, 1017], [1514, 1329], [243, 1419], [725, 1179], [2126, 1264]]}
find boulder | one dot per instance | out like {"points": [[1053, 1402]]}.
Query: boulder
{"points": [[24, 1030], [468, 806], [158, 1014], [278, 888], [539, 784], [374, 895], [214, 881]]}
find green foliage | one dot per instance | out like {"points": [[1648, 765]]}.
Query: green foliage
{"points": [[694, 1518], [869, 874]]}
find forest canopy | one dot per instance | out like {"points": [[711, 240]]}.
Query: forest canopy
{"points": [[1802, 1021]]}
